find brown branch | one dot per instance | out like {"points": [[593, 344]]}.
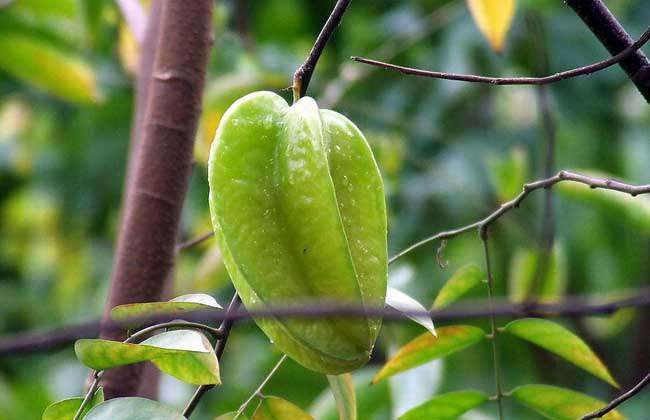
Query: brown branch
{"points": [[350, 73], [302, 76], [562, 176], [603, 24], [619, 400], [224, 332], [570, 307], [580, 71], [146, 244]]}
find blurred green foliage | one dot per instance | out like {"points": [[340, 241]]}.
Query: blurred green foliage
{"points": [[449, 152]]}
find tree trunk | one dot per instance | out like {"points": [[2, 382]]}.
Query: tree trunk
{"points": [[161, 168]]}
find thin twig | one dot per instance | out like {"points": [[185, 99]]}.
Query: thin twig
{"points": [[194, 242], [260, 387], [493, 328], [580, 71], [97, 376], [224, 331], [619, 400], [562, 176], [350, 73], [32, 342], [302, 76], [135, 18]]}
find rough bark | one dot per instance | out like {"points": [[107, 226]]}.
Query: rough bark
{"points": [[161, 169], [603, 24]]}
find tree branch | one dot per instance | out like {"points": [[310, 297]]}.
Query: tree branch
{"points": [[603, 24], [302, 76], [146, 244], [619, 400], [224, 331], [562, 176], [350, 73], [570, 307], [580, 71]]}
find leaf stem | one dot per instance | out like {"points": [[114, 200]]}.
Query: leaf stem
{"points": [[258, 390], [493, 329], [224, 333]]}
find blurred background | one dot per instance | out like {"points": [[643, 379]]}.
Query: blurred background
{"points": [[449, 153]]}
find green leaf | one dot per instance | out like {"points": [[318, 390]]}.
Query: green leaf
{"points": [[509, 173], [402, 302], [635, 210], [231, 416], [66, 409], [560, 404], [557, 339], [45, 67], [554, 282], [183, 354], [372, 401], [426, 347], [524, 267], [462, 281], [345, 396], [274, 408], [132, 408], [446, 406], [191, 302]]}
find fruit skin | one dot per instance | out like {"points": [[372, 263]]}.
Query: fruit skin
{"points": [[297, 204]]}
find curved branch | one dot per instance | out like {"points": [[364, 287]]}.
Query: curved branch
{"points": [[619, 400], [562, 176], [580, 71], [602, 23]]}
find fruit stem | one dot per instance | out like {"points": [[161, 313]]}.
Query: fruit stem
{"points": [[302, 76]]}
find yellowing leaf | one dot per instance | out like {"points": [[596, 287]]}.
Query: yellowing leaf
{"points": [[446, 406], [560, 404], [45, 67], [427, 347], [183, 354], [493, 18], [274, 408], [557, 339], [460, 283], [345, 395]]}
